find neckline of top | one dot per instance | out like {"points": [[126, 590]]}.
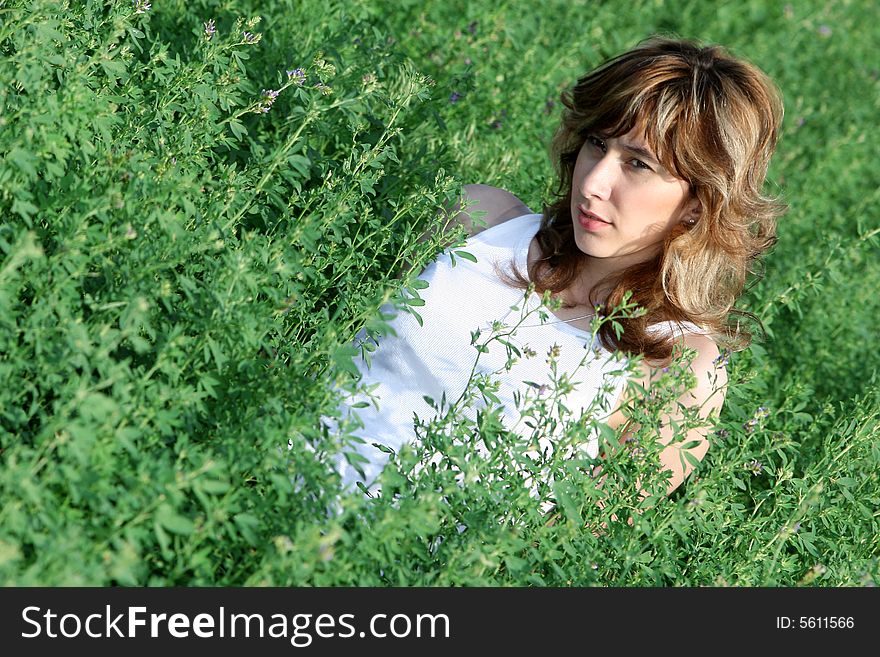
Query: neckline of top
{"points": [[521, 255]]}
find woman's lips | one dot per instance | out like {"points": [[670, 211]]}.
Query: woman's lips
{"points": [[590, 221]]}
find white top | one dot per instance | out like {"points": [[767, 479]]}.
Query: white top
{"points": [[438, 356]]}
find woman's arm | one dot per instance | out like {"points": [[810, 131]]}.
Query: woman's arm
{"points": [[706, 397], [484, 206], [491, 205], [499, 205]]}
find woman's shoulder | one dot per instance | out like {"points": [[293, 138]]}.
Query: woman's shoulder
{"points": [[707, 355], [707, 365], [487, 206], [708, 362]]}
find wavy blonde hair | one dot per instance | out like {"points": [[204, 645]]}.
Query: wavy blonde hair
{"points": [[713, 121]]}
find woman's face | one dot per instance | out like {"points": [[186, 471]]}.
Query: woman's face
{"points": [[623, 202]]}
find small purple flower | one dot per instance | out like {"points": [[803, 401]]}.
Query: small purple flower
{"points": [[548, 106], [210, 28], [695, 502], [800, 121], [636, 450], [825, 30], [324, 89], [755, 467], [496, 124], [297, 75], [267, 99], [756, 419], [455, 97], [249, 37], [141, 6], [722, 359], [472, 28]]}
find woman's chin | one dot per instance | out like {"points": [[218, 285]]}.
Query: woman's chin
{"points": [[587, 246]]}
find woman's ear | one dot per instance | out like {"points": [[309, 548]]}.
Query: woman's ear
{"points": [[692, 212]]}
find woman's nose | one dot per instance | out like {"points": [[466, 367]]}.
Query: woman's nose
{"points": [[598, 179]]}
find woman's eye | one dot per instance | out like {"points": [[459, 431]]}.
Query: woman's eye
{"points": [[638, 164], [598, 143]]}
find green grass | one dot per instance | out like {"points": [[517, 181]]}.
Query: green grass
{"points": [[180, 280]]}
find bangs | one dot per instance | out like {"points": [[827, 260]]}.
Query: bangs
{"points": [[659, 114]]}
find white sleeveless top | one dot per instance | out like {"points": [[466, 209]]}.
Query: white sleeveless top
{"points": [[438, 357]]}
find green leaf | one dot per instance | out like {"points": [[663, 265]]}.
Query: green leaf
{"points": [[300, 163], [247, 524], [644, 557], [163, 539], [693, 460], [219, 357], [213, 486], [24, 209], [173, 521], [343, 357], [510, 346], [806, 540], [561, 491], [237, 128], [24, 160]]}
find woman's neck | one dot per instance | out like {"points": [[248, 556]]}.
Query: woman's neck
{"points": [[601, 274]]}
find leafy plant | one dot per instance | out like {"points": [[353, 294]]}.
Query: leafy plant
{"points": [[204, 203]]}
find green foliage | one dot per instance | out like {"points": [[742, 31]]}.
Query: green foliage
{"points": [[198, 217]]}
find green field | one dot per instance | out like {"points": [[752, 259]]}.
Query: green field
{"points": [[185, 259]]}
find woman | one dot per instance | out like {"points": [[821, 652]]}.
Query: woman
{"points": [[661, 155]]}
